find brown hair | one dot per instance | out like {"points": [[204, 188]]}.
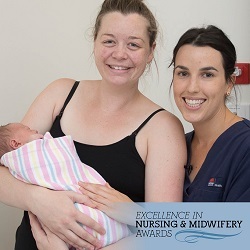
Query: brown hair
{"points": [[127, 7], [5, 132]]}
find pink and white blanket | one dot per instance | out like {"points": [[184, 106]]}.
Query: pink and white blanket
{"points": [[54, 163]]}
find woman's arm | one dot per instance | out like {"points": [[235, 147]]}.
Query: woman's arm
{"points": [[166, 157], [40, 117], [47, 105], [239, 188], [54, 209]]}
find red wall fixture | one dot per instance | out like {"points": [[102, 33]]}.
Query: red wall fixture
{"points": [[242, 72]]}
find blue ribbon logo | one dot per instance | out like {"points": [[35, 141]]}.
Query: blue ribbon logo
{"points": [[193, 236]]}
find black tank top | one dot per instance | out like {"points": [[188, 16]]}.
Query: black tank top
{"points": [[118, 163]]}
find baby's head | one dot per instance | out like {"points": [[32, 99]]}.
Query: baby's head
{"points": [[15, 135]]}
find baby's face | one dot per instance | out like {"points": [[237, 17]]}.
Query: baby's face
{"points": [[24, 134]]}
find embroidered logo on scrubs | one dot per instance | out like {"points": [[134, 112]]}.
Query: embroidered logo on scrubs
{"points": [[215, 182]]}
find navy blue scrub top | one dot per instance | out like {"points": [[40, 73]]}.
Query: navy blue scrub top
{"points": [[225, 174]]}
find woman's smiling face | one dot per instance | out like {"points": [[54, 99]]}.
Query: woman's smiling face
{"points": [[122, 48], [199, 83]]}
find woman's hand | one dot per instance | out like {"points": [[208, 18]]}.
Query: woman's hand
{"points": [[56, 210], [108, 200], [45, 239]]}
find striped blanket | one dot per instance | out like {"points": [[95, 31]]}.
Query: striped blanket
{"points": [[54, 163]]}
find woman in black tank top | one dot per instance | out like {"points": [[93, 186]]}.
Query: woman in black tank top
{"points": [[107, 160], [138, 147]]}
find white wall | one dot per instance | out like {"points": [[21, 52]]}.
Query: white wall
{"points": [[45, 40]]}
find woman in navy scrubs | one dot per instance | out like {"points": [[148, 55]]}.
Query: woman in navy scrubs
{"points": [[218, 167]]}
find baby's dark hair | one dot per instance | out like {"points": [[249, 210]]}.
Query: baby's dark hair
{"points": [[4, 139]]}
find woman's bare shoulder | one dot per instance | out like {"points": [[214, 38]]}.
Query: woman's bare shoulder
{"points": [[61, 85], [47, 104], [166, 122]]}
